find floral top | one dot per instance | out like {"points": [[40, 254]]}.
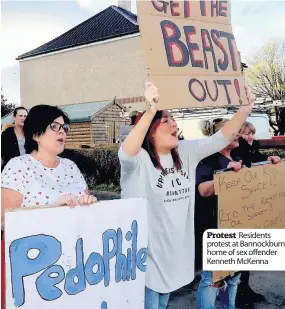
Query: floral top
{"points": [[39, 184]]}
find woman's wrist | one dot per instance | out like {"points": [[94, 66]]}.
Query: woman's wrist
{"points": [[246, 109], [151, 110]]}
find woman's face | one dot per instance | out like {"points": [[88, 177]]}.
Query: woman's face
{"points": [[53, 140], [20, 117], [248, 135], [166, 134]]}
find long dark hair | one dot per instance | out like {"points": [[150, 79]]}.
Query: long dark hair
{"points": [[149, 146]]}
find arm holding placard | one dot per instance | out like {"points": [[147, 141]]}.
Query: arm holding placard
{"points": [[205, 147], [134, 140], [206, 188]]}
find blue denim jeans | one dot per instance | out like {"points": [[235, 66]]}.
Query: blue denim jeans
{"points": [[155, 300], [207, 293]]}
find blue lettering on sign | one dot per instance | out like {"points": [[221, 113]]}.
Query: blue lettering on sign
{"points": [[96, 268], [22, 265]]}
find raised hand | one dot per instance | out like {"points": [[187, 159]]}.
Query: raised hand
{"points": [[151, 96], [250, 97]]}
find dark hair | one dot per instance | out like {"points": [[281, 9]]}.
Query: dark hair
{"points": [[211, 126], [17, 109], [148, 144], [133, 120], [37, 121], [133, 116]]}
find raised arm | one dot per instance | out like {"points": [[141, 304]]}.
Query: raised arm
{"points": [[232, 127], [134, 140], [204, 147]]}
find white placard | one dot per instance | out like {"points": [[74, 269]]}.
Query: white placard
{"points": [[86, 257]]}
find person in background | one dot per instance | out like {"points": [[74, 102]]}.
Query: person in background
{"points": [[12, 139], [157, 166], [206, 217], [248, 151], [125, 130]]}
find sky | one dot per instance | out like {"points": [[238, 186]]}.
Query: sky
{"points": [[26, 25]]}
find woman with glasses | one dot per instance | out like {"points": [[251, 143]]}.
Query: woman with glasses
{"points": [[40, 177]]}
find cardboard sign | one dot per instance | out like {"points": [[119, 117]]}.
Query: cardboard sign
{"points": [[87, 257], [191, 53], [252, 198]]}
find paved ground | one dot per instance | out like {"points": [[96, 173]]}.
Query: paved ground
{"points": [[270, 284]]}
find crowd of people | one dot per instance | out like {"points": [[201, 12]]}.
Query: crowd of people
{"points": [[174, 176]]}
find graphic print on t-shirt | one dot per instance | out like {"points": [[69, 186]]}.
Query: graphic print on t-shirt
{"points": [[177, 184]]}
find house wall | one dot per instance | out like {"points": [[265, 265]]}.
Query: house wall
{"points": [[95, 73], [80, 134], [106, 125]]}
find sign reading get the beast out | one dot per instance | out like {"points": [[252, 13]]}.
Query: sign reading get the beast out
{"points": [[191, 53]]}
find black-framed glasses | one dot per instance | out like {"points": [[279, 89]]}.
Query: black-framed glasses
{"points": [[55, 126]]}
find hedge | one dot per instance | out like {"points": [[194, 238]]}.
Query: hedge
{"points": [[99, 166], [102, 167]]}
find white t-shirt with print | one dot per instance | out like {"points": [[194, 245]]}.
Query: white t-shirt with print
{"points": [[39, 184], [170, 201]]}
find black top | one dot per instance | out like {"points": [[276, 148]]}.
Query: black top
{"points": [[206, 207], [249, 153], [10, 146], [205, 172]]}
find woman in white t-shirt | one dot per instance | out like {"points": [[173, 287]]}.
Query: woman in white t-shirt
{"points": [[40, 177], [155, 165]]}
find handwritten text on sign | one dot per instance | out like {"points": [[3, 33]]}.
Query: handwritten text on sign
{"points": [[252, 198], [189, 47], [100, 264]]}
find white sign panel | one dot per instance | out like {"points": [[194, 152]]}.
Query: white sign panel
{"points": [[86, 257]]}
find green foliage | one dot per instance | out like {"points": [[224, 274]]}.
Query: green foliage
{"points": [[6, 108], [275, 152], [100, 167], [266, 76], [266, 70]]}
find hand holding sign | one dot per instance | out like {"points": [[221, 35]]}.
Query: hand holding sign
{"points": [[151, 96], [191, 53], [235, 165], [250, 97], [72, 200]]}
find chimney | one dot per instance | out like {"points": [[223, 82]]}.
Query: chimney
{"points": [[125, 4]]}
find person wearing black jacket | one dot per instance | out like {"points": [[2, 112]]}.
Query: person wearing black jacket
{"points": [[248, 152], [12, 139], [245, 151]]}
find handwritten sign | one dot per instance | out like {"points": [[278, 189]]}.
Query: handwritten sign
{"points": [[191, 52], [252, 198], [87, 257]]}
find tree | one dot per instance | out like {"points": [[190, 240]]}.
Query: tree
{"points": [[266, 76], [6, 108], [277, 119]]}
